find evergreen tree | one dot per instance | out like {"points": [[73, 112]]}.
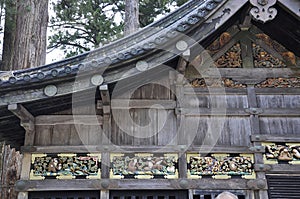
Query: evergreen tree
{"points": [[82, 25], [25, 34]]}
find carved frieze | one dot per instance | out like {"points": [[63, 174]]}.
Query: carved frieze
{"points": [[144, 166], [65, 166], [231, 59], [282, 153], [263, 59], [262, 10], [221, 166], [293, 82], [216, 83]]}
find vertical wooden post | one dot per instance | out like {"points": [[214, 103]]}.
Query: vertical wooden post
{"points": [[28, 123], [255, 129], [180, 125], [23, 195], [106, 107], [104, 194]]}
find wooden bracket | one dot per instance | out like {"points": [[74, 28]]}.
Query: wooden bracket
{"points": [[27, 122], [105, 99], [183, 61]]}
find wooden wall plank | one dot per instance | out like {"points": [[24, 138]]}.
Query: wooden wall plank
{"points": [[68, 119]]}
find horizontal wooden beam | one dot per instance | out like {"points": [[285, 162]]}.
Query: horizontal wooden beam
{"points": [[269, 112], [275, 138], [284, 169], [210, 111], [20, 112], [68, 119], [249, 75], [135, 149], [134, 184], [156, 104]]}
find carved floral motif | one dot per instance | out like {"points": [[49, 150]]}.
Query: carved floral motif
{"points": [[262, 59], [293, 82], [289, 57], [282, 152], [72, 166], [231, 59], [144, 166], [220, 165], [213, 83]]}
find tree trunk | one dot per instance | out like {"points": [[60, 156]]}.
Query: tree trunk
{"points": [[10, 164], [25, 36], [9, 34], [131, 16]]}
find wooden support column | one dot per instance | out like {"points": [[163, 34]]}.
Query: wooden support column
{"points": [[106, 107], [255, 129], [104, 194], [180, 125], [27, 121]]}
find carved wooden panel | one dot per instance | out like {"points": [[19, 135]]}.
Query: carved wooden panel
{"points": [[293, 82], [144, 166], [216, 83], [220, 166], [282, 153], [65, 166], [263, 59]]}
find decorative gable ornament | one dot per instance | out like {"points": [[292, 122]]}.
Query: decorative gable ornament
{"points": [[262, 10]]}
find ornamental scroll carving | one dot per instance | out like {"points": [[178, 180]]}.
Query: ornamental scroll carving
{"points": [[221, 166], [262, 10], [282, 153], [144, 166], [65, 166]]}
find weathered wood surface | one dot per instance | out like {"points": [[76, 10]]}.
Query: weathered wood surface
{"points": [[137, 184], [68, 119], [279, 101], [275, 138], [10, 163], [280, 125], [142, 124], [284, 169], [137, 149], [229, 131]]}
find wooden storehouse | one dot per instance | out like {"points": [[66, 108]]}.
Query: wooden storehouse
{"points": [[205, 100]]}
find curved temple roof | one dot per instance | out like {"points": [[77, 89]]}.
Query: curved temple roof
{"points": [[152, 46]]}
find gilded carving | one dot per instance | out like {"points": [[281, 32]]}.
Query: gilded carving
{"points": [[289, 57], [231, 59], [216, 83], [144, 166], [263, 59], [220, 166], [224, 38], [65, 166], [262, 10], [283, 152], [293, 82]]}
